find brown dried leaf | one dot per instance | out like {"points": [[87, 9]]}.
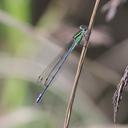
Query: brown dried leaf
{"points": [[117, 97]]}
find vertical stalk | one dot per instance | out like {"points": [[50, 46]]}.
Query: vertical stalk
{"points": [[79, 68]]}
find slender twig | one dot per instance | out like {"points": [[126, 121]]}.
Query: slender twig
{"points": [[79, 68]]}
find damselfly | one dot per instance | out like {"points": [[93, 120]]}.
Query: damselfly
{"points": [[50, 77]]}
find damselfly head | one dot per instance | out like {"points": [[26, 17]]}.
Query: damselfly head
{"points": [[83, 27]]}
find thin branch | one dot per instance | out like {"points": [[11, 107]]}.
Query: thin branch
{"points": [[79, 68]]}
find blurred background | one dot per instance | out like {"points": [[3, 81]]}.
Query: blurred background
{"points": [[32, 34]]}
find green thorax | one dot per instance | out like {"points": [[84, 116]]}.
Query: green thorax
{"points": [[79, 35]]}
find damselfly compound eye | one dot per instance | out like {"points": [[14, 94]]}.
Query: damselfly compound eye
{"points": [[83, 27]]}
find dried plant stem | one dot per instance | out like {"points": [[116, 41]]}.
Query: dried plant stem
{"points": [[117, 97], [79, 68]]}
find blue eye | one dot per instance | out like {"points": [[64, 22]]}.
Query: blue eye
{"points": [[83, 27]]}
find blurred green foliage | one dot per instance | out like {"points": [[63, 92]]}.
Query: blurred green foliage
{"points": [[15, 90]]}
